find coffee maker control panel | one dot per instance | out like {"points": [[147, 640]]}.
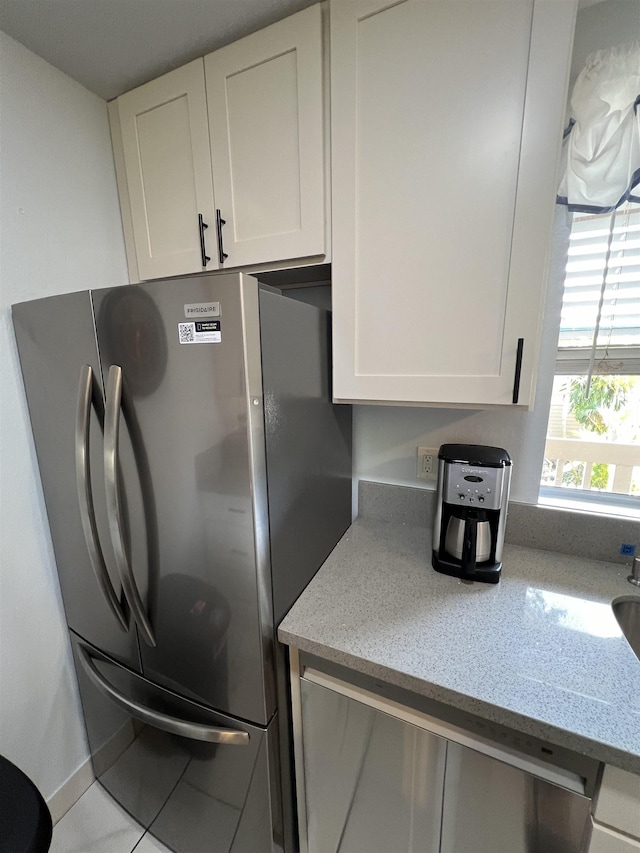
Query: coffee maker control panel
{"points": [[473, 486]]}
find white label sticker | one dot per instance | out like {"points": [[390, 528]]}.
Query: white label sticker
{"points": [[195, 310], [200, 332]]}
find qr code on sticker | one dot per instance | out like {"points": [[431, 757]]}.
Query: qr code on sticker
{"points": [[187, 333]]}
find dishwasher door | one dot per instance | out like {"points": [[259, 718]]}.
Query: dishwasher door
{"points": [[375, 776], [493, 807], [373, 782]]}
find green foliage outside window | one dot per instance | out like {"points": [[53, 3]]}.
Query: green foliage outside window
{"points": [[597, 413], [607, 394]]}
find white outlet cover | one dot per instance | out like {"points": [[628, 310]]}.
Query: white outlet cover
{"points": [[427, 463]]}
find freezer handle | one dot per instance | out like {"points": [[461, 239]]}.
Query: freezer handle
{"points": [[85, 497], [114, 511], [173, 725]]}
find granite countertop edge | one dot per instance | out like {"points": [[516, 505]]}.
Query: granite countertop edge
{"points": [[378, 608]]}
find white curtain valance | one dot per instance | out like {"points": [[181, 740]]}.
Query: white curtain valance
{"points": [[602, 144]]}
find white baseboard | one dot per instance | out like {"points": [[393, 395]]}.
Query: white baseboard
{"points": [[70, 791]]}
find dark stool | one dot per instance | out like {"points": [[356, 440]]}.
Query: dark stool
{"points": [[25, 822]]}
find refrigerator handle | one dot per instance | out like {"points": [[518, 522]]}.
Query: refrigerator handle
{"points": [[85, 498], [174, 725], [114, 512]]}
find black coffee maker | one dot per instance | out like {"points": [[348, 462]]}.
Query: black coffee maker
{"points": [[471, 511]]}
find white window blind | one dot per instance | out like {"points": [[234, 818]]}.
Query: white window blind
{"points": [[604, 249]]}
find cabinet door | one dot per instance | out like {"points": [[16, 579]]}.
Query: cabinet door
{"points": [[165, 140], [605, 840], [429, 101], [618, 802], [373, 782], [264, 94]]}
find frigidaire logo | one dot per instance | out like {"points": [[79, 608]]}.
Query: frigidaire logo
{"points": [[202, 309]]}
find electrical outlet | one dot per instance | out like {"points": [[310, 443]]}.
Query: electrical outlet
{"points": [[427, 467]]}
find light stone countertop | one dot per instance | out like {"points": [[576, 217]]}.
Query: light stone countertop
{"points": [[540, 652]]}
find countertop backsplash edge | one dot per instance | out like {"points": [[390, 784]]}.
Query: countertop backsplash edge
{"points": [[579, 534]]}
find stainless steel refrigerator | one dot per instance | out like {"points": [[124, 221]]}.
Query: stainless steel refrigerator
{"points": [[196, 475]]}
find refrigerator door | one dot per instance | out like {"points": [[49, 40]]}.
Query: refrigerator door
{"points": [[308, 445], [63, 383], [308, 451], [197, 780], [192, 521]]}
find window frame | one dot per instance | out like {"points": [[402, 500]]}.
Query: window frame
{"points": [[576, 361]]}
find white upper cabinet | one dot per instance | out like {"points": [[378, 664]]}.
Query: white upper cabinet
{"points": [[265, 99], [165, 146], [253, 135], [446, 123]]}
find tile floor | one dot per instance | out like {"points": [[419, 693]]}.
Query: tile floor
{"points": [[97, 824]]}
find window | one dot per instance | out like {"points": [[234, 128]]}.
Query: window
{"points": [[593, 437]]}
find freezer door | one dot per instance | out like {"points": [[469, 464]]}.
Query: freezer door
{"points": [[197, 780], [192, 516], [61, 371]]}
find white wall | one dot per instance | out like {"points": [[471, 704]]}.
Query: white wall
{"points": [[608, 23], [60, 231]]}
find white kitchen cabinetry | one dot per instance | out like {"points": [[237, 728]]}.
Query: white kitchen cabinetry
{"points": [[605, 840], [265, 99], [246, 124], [616, 827], [165, 148], [446, 123]]}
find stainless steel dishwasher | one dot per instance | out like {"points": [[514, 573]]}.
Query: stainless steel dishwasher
{"points": [[375, 776]]}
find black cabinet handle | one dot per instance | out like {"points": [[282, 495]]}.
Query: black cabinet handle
{"points": [[516, 379], [222, 256], [201, 226]]}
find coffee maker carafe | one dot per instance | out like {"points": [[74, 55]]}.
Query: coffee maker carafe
{"points": [[471, 511]]}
